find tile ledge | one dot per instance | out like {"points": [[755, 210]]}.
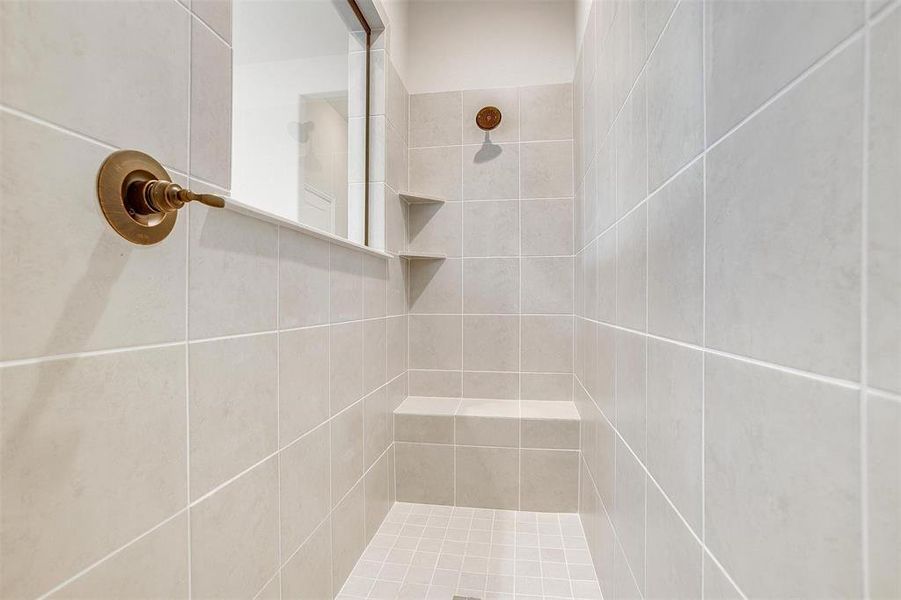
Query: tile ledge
{"points": [[256, 213]]}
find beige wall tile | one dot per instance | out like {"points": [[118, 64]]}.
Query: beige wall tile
{"points": [[491, 343], [397, 346], [232, 273], [435, 429], [546, 386], [491, 285], [346, 284], [546, 170], [303, 381], [115, 469], [303, 279], [487, 431], [375, 283], [491, 172], [547, 227], [478, 384], [811, 464], [435, 342], [487, 477], [631, 152], [155, 566], [308, 574], [346, 365], [547, 285], [377, 417], [436, 172], [304, 487], [884, 251], [436, 286], [547, 344], [435, 119], [547, 112], [883, 468], [377, 502], [211, 106], [346, 450], [436, 383], [804, 188], [141, 287], [347, 535], [51, 48], [234, 536], [424, 473], [233, 407], [629, 510], [491, 228], [676, 257], [674, 425], [550, 433], [631, 389], [375, 348], [436, 228], [631, 270], [673, 554], [217, 14], [550, 480]]}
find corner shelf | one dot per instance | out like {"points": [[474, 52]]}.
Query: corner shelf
{"points": [[413, 255], [411, 198]]}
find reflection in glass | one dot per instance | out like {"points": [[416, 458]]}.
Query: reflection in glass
{"points": [[299, 112]]}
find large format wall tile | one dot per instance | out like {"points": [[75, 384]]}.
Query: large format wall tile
{"points": [[884, 210], [547, 227], [550, 480], [491, 285], [487, 477], [674, 425], [211, 106], [756, 48], [347, 446], [102, 291], [303, 280], [303, 383], [676, 95], [93, 455], [53, 47], [631, 389], [546, 170], [307, 575], [304, 488], [233, 407], [435, 119], [676, 257], [345, 365], [783, 202], [424, 473], [234, 536], [232, 273], [491, 228], [673, 554], [632, 152], [632, 269], [782, 495], [546, 112], [155, 566], [436, 172], [347, 535], [629, 513], [436, 287], [491, 172], [491, 342], [884, 479], [435, 342]]}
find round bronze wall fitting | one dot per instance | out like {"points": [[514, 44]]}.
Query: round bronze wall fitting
{"points": [[488, 118], [138, 198]]}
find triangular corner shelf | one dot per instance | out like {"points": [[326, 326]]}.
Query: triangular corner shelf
{"points": [[411, 198], [413, 255]]}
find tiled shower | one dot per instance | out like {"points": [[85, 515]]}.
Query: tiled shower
{"points": [[640, 340]]}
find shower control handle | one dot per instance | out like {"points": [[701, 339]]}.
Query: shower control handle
{"points": [[158, 196], [139, 199]]}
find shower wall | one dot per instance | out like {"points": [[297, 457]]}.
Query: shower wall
{"points": [[493, 320], [207, 417], [738, 342]]}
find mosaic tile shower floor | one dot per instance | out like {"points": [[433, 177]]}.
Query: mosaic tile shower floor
{"points": [[431, 552]]}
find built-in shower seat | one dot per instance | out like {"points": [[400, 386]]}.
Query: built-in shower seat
{"points": [[514, 454]]}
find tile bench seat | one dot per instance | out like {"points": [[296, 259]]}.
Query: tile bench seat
{"points": [[514, 454]]}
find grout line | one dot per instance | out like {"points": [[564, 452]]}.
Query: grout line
{"points": [[864, 312]]}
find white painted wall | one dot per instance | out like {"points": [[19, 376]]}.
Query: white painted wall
{"points": [[467, 44]]}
